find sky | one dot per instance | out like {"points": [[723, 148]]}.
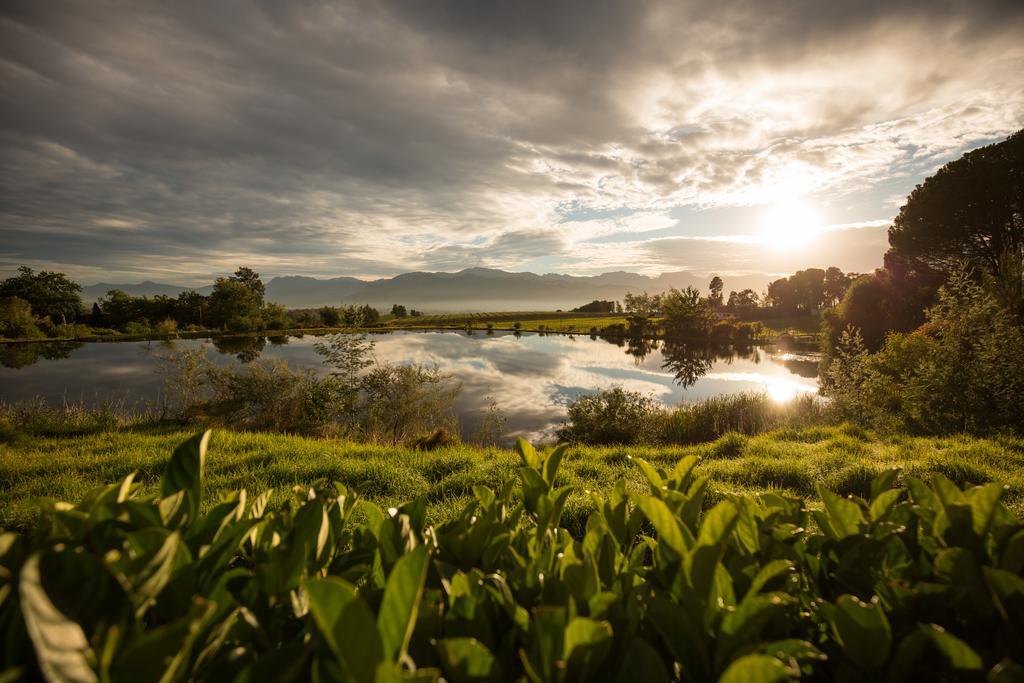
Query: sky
{"points": [[174, 141]]}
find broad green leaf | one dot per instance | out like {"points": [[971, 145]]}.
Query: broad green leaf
{"points": [[552, 462], [1009, 591], [347, 625], [883, 502], [957, 653], [683, 471], [402, 595], [527, 453], [654, 478], [669, 530], [863, 631], [184, 472], [767, 572], [755, 669], [466, 660], [61, 647], [984, 500], [844, 516], [162, 654], [642, 663], [587, 643], [883, 482], [718, 523]]}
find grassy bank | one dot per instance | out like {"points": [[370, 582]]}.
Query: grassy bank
{"points": [[844, 459]]}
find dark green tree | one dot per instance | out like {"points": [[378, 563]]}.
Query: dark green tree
{"points": [[686, 313], [251, 279], [50, 294], [232, 301], [971, 210]]}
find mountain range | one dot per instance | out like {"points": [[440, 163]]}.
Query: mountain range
{"points": [[472, 289]]}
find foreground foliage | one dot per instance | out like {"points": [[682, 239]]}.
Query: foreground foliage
{"points": [[922, 581]]}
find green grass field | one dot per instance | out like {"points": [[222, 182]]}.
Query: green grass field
{"points": [[844, 459]]}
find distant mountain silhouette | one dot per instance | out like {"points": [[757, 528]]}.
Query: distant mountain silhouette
{"points": [[472, 289]]}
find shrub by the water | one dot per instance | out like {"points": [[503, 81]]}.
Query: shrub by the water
{"points": [[915, 581], [617, 416]]}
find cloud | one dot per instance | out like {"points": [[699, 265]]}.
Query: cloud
{"points": [[180, 139]]}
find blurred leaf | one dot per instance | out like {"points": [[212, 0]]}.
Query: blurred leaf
{"points": [[863, 631], [347, 625], [184, 472], [397, 616], [755, 669], [61, 647], [466, 660], [587, 643]]}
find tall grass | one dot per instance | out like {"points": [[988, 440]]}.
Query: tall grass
{"points": [[744, 413]]}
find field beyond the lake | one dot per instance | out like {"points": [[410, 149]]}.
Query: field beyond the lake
{"points": [[841, 458]]}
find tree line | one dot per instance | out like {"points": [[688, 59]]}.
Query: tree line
{"points": [[49, 304]]}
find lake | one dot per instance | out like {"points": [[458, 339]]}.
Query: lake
{"points": [[531, 377]]}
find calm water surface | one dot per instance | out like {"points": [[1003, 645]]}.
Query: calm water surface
{"points": [[531, 377]]}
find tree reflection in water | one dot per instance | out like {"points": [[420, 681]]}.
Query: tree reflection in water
{"points": [[245, 349], [687, 361], [22, 355]]}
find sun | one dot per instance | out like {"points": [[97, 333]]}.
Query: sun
{"points": [[789, 225]]}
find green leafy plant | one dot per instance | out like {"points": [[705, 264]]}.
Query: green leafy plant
{"points": [[919, 581]]}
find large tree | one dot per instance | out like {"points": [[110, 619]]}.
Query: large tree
{"points": [[972, 209], [49, 293], [251, 279]]}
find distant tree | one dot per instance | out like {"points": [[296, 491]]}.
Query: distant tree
{"points": [[251, 279], [715, 288], [643, 304], [743, 301], [330, 316], [398, 311], [415, 314], [97, 315], [686, 313], [274, 317], [50, 294], [233, 301], [803, 291], [120, 308], [596, 306], [835, 285], [971, 210], [189, 308]]}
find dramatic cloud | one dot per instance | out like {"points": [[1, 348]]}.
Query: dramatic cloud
{"points": [[176, 140]]}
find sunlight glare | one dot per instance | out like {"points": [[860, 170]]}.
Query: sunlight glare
{"points": [[783, 390], [789, 225]]}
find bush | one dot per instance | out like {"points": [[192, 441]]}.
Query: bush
{"points": [[166, 327], [615, 416], [915, 583], [16, 319], [136, 328], [963, 371], [63, 331], [241, 323]]}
